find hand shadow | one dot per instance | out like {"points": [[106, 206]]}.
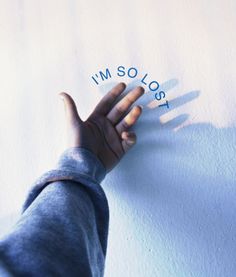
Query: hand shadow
{"points": [[180, 187]]}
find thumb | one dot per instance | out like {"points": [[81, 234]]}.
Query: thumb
{"points": [[70, 109], [128, 140]]}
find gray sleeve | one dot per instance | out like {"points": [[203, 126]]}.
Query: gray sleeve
{"points": [[64, 223]]}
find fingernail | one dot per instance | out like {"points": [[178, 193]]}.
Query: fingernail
{"points": [[130, 141]]}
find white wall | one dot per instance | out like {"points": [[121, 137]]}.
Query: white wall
{"points": [[173, 197]]}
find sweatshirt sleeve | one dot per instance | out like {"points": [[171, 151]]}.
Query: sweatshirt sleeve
{"points": [[63, 227]]}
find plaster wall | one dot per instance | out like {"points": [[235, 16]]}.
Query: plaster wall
{"points": [[173, 197]]}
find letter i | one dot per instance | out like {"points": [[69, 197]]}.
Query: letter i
{"points": [[95, 79]]}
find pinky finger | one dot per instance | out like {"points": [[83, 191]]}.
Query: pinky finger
{"points": [[128, 140]]}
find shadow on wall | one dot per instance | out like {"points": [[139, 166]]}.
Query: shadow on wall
{"points": [[182, 184]]}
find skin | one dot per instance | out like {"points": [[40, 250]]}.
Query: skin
{"points": [[106, 132]]}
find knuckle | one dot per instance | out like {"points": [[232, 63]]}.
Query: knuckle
{"points": [[129, 100], [120, 109]]}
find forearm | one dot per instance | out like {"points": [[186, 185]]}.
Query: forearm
{"points": [[63, 229]]}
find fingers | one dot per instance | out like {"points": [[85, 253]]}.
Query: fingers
{"points": [[104, 106], [129, 120], [128, 140], [70, 108], [124, 104]]}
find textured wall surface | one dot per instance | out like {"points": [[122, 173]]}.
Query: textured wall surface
{"points": [[173, 197]]}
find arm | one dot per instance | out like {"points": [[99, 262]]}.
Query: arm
{"points": [[64, 225]]}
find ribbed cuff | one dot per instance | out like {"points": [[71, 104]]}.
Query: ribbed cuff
{"points": [[76, 164], [78, 159]]}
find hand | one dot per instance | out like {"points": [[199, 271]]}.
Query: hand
{"points": [[106, 131]]}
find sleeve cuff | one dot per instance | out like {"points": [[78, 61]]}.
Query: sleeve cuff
{"points": [[76, 164], [83, 161]]}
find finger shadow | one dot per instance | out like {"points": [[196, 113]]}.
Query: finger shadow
{"points": [[180, 186], [147, 97]]}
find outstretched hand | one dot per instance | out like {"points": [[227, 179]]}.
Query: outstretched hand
{"points": [[106, 131]]}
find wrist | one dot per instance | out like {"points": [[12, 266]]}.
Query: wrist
{"points": [[82, 160]]}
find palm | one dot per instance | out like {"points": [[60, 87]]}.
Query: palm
{"points": [[105, 132], [108, 139]]}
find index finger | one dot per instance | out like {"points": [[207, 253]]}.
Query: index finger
{"points": [[105, 104]]}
